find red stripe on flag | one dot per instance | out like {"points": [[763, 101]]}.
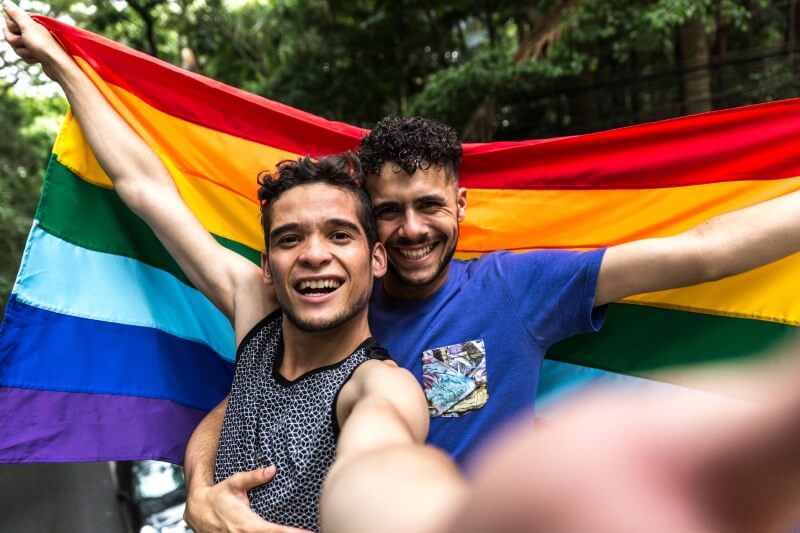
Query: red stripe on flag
{"points": [[758, 142], [203, 101]]}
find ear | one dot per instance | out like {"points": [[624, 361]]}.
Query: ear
{"points": [[379, 260], [265, 271], [461, 204]]}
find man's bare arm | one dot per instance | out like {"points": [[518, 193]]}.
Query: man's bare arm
{"points": [[725, 245], [384, 478], [386, 407], [139, 176], [198, 467]]}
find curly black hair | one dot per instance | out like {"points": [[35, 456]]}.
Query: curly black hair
{"points": [[341, 170], [411, 143]]}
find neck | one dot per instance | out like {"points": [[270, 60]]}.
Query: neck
{"points": [[304, 351], [396, 288]]}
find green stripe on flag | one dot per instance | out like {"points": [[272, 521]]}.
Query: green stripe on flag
{"points": [[96, 219], [638, 339]]}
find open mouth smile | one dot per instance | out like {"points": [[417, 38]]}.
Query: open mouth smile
{"points": [[416, 253], [316, 288]]}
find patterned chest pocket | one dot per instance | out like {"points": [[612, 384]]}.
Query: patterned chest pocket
{"points": [[454, 378]]}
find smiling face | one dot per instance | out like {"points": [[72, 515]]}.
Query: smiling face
{"points": [[318, 259], [417, 216]]}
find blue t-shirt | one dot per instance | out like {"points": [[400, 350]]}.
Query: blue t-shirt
{"points": [[477, 344]]}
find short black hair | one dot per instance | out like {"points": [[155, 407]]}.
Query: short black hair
{"points": [[341, 170], [411, 143]]}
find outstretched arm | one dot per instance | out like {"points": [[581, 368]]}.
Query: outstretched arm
{"points": [[384, 478], [139, 176], [725, 245], [382, 406]]}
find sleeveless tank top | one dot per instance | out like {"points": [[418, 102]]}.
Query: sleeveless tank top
{"points": [[291, 424]]}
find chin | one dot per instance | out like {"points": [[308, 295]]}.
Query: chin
{"points": [[311, 322], [417, 281], [314, 325]]}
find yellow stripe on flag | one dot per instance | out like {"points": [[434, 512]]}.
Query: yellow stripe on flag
{"points": [[221, 211]]}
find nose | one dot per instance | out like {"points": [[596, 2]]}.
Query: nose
{"points": [[315, 252], [413, 226]]}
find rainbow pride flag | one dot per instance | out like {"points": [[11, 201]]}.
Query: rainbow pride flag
{"points": [[107, 352]]}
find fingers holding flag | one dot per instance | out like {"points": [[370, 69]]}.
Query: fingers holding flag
{"points": [[31, 41]]}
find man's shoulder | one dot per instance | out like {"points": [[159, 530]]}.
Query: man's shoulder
{"points": [[499, 260], [382, 375], [372, 367]]}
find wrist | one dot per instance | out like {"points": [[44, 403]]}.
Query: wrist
{"points": [[197, 490], [56, 63]]}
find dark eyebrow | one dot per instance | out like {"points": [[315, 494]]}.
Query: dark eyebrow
{"points": [[344, 223], [295, 226], [430, 198], [384, 205]]}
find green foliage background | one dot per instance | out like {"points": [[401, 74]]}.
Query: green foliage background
{"points": [[498, 70]]}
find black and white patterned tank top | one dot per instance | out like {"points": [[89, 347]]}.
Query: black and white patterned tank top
{"points": [[292, 424]]}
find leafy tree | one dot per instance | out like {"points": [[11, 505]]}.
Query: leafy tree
{"points": [[495, 70]]}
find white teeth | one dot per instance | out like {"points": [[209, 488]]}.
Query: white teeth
{"points": [[319, 284], [416, 254]]}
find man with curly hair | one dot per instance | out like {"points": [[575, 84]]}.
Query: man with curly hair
{"points": [[437, 314], [312, 389], [475, 332]]}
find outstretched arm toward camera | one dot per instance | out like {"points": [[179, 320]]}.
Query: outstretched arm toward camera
{"points": [[384, 478], [139, 176], [382, 405], [725, 245]]}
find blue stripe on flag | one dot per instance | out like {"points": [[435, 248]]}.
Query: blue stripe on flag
{"points": [[67, 279], [44, 350]]}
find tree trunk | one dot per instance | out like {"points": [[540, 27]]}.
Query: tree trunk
{"points": [[696, 76], [722, 52], [794, 33], [149, 25], [481, 125]]}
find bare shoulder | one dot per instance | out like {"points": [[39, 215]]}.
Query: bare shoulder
{"points": [[373, 375], [382, 381]]}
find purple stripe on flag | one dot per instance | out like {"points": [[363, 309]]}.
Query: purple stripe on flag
{"points": [[45, 426]]}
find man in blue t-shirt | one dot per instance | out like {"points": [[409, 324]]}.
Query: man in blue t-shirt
{"points": [[475, 332]]}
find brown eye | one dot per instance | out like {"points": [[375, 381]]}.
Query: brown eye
{"points": [[386, 213], [288, 240]]}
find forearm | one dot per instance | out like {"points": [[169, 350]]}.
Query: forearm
{"points": [[726, 245], [741, 240], [142, 181], [201, 449], [413, 487], [130, 163]]}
